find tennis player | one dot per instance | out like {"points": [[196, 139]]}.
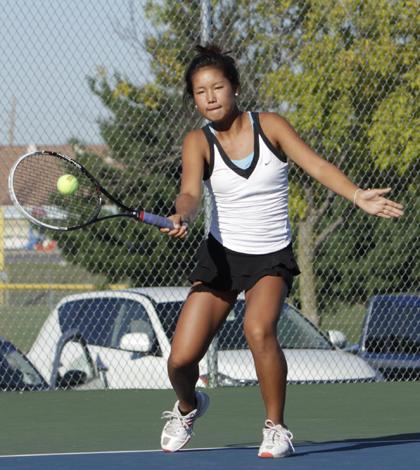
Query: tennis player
{"points": [[242, 157]]}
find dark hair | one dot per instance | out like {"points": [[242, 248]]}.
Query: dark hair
{"points": [[211, 55]]}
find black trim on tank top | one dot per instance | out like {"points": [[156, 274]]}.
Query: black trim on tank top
{"points": [[208, 167], [277, 152], [245, 173]]}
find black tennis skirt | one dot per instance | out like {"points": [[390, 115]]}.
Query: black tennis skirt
{"points": [[224, 269]]}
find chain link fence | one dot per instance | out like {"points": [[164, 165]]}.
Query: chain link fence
{"points": [[103, 83]]}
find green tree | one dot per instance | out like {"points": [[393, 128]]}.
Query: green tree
{"points": [[143, 135], [335, 69], [375, 257], [349, 88]]}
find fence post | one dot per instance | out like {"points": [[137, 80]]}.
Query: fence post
{"points": [[3, 274], [212, 351]]}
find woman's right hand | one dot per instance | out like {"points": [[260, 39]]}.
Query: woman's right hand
{"points": [[180, 229]]}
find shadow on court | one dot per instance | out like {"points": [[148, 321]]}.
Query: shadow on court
{"points": [[358, 444]]}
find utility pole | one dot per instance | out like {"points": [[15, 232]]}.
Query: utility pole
{"points": [[212, 367], [205, 21], [12, 123]]}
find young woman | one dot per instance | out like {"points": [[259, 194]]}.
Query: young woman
{"points": [[243, 159]]}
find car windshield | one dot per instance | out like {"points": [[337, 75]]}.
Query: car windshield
{"points": [[16, 372], [393, 325], [103, 321], [293, 332]]}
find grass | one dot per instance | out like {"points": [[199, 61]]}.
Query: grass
{"points": [[21, 325], [51, 273]]}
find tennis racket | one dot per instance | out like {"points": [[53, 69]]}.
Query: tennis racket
{"points": [[35, 190]]}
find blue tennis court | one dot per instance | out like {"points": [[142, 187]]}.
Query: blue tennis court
{"points": [[390, 452], [354, 426]]}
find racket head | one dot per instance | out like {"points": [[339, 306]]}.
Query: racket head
{"points": [[33, 189]]}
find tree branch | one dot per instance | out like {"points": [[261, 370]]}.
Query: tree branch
{"points": [[307, 189], [341, 159], [327, 232], [325, 205], [330, 195]]}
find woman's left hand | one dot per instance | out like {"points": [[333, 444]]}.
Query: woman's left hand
{"points": [[373, 202]]}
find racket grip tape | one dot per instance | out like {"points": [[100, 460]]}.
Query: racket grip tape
{"points": [[157, 220]]}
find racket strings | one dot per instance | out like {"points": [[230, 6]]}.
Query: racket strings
{"points": [[35, 187]]}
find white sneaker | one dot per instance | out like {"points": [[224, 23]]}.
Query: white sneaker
{"points": [[277, 441], [178, 430]]}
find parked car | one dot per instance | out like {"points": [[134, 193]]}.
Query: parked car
{"points": [[18, 373], [390, 339], [129, 333]]}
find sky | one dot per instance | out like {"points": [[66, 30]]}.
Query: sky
{"points": [[47, 49]]}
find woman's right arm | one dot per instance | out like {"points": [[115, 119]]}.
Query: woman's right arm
{"points": [[188, 200]]}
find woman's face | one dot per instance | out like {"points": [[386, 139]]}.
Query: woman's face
{"points": [[213, 93]]}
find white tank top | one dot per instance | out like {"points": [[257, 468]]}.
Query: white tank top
{"points": [[249, 206]]}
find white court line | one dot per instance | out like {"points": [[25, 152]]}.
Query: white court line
{"points": [[58, 454], [195, 449]]}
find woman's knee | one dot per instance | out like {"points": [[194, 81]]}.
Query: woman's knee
{"points": [[181, 361], [260, 337]]}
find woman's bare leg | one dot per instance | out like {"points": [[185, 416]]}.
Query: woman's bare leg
{"points": [[263, 305], [201, 316]]}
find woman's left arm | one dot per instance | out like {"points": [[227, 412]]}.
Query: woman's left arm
{"points": [[371, 201]]}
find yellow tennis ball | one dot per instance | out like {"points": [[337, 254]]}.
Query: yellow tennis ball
{"points": [[67, 184]]}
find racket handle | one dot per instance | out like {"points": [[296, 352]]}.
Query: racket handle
{"points": [[157, 220]]}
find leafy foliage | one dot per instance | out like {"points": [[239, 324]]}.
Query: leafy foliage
{"points": [[346, 81], [341, 72]]}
